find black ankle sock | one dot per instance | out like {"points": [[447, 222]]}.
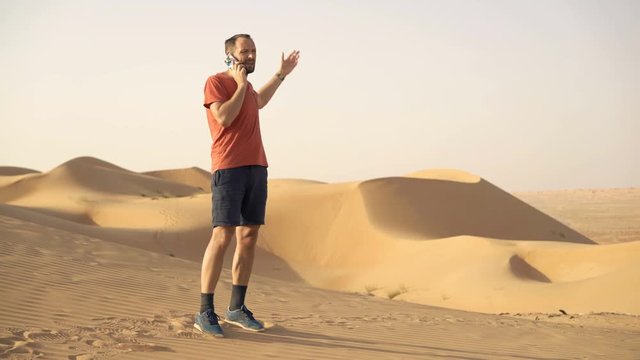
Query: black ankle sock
{"points": [[206, 302], [237, 296]]}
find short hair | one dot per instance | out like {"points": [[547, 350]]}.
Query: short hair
{"points": [[230, 43]]}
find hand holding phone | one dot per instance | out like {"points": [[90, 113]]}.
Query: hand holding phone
{"points": [[238, 72]]}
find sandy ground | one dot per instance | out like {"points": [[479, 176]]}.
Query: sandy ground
{"points": [[101, 262]]}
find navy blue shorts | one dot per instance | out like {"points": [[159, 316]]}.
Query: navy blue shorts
{"points": [[239, 196]]}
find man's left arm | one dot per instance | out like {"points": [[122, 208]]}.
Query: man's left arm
{"points": [[286, 67]]}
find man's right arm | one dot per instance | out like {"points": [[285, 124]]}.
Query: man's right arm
{"points": [[227, 111]]}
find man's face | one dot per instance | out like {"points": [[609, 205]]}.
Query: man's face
{"points": [[245, 52]]}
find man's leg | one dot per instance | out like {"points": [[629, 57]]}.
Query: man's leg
{"points": [[207, 320], [214, 257], [238, 314], [246, 239]]}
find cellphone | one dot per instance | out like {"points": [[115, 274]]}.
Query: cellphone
{"points": [[230, 60]]}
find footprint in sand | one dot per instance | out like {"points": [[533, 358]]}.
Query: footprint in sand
{"points": [[178, 324], [142, 347], [187, 334], [97, 343], [46, 335], [18, 344], [81, 357], [111, 335]]}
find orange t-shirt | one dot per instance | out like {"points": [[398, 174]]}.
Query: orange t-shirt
{"points": [[240, 144]]}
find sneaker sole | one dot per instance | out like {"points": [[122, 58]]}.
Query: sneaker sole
{"points": [[206, 333], [242, 326]]}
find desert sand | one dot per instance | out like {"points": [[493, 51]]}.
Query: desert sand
{"points": [[606, 216], [99, 261]]}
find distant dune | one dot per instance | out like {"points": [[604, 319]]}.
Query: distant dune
{"points": [[12, 170], [192, 176], [11, 174], [93, 176], [607, 216]]}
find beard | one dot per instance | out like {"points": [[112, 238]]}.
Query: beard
{"points": [[250, 67]]}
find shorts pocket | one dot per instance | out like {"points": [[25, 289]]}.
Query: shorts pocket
{"points": [[216, 177], [223, 177]]}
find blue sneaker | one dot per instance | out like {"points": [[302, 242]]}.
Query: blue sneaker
{"points": [[243, 318], [207, 322]]}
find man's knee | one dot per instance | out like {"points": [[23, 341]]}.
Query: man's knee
{"points": [[222, 236], [247, 236]]}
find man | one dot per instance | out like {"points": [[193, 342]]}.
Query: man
{"points": [[239, 178]]}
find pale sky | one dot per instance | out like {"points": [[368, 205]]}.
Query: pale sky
{"points": [[530, 95]]}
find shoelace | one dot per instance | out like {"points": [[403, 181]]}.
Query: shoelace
{"points": [[248, 313], [212, 317]]}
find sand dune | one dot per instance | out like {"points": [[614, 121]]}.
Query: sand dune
{"points": [[437, 237], [432, 209], [446, 243]]}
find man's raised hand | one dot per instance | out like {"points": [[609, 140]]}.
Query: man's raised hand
{"points": [[289, 63]]}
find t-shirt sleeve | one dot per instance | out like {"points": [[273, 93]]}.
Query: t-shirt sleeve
{"points": [[214, 91]]}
